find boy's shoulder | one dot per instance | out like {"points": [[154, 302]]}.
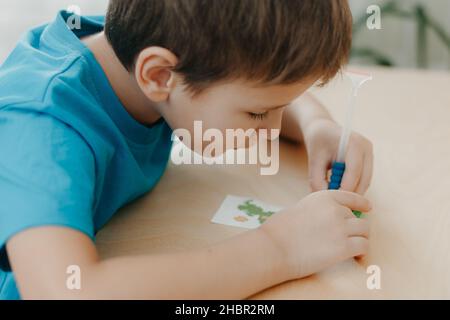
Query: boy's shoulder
{"points": [[50, 72], [48, 61], [29, 75]]}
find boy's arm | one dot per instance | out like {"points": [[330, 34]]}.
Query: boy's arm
{"points": [[300, 114], [317, 232], [40, 258]]}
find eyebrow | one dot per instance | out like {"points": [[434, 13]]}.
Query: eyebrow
{"points": [[275, 107]]}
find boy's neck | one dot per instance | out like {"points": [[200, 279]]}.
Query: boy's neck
{"points": [[122, 81]]}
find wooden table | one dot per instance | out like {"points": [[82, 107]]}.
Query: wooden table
{"points": [[407, 116]]}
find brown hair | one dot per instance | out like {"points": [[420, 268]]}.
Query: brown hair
{"points": [[270, 41]]}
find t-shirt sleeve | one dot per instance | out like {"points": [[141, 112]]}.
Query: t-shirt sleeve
{"points": [[47, 176]]}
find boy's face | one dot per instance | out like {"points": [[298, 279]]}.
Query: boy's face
{"points": [[233, 105]]}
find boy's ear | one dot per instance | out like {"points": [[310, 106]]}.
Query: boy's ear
{"points": [[154, 73]]}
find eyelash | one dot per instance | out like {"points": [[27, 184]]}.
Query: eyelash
{"points": [[259, 116]]}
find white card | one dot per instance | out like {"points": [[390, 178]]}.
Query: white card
{"points": [[244, 212]]}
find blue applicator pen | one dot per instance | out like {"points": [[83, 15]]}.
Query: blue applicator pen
{"points": [[338, 168]]}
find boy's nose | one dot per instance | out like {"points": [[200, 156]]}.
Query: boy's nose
{"points": [[270, 133], [273, 127]]}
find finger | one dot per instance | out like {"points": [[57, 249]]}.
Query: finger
{"points": [[318, 174], [357, 227], [366, 175], [351, 200], [348, 214], [357, 246], [354, 162]]}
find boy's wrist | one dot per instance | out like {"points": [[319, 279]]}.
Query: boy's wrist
{"points": [[278, 266], [308, 110], [312, 123]]}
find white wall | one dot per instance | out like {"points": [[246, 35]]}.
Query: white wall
{"points": [[397, 39], [17, 16]]}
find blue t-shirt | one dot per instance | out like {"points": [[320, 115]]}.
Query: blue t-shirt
{"points": [[70, 154]]}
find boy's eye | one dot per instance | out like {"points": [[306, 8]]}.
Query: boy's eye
{"points": [[259, 116]]}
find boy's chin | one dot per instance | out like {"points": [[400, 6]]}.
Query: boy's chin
{"points": [[217, 154]]}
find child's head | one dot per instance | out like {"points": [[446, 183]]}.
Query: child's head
{"points": [[228, 63]]}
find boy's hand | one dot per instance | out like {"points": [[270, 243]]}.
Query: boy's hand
{"points": [[319, 231], [322, 138]]}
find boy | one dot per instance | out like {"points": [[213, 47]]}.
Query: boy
{"points": [[86, 117]]}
